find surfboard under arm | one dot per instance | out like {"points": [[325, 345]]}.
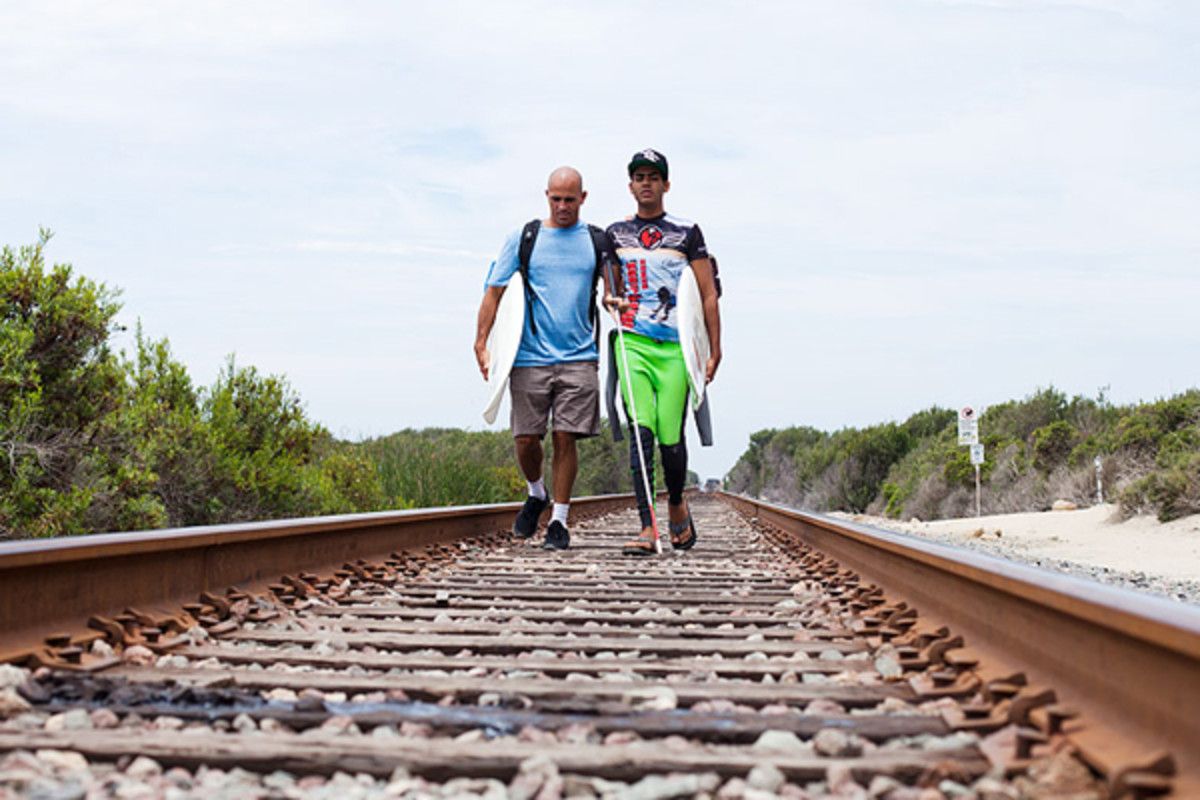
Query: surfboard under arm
{"points": [[503, 343], [693, 334]]}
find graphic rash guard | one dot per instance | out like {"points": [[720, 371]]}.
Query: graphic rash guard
{"points": [[654, 253]]}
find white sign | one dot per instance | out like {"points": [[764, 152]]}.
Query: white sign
{"points": [[976, 454], [968, 426]]}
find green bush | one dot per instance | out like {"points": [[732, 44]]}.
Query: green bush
{"points": [[1052, 444], [446, 466], [1173, 489], [58, 379], [865, 458], [90, 441], [1036, 450]]}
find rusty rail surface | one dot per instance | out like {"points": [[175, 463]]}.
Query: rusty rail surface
{"points": [[1128, 664], [1114, 673], [57, 585]]}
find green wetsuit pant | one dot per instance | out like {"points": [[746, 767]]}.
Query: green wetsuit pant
{"points": [[657, 381]]}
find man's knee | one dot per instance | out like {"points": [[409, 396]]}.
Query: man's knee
{"points": [[564, 445], [674, 457], [528, 446], [674, 451]]}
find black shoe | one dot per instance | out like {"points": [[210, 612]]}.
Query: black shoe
{"points": [[527, 521], [557, 537]]}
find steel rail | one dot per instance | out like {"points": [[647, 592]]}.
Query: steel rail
{"points": [[55, 585], [1128, 663]]}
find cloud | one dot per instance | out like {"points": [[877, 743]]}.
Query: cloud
{"points": [[912, 201]]}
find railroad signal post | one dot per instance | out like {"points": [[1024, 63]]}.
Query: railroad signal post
{"points": [[977, 461], [968, 434]]}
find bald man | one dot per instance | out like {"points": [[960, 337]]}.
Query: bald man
{"points": [[555, 374]]}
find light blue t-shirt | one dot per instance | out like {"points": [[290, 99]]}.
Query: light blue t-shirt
{"points": [[561, 268]]}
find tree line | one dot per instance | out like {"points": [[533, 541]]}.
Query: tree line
{"points": [[94, 440], [1038, 450]]}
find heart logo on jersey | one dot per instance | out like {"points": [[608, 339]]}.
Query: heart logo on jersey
{"points": [[650, 237]]}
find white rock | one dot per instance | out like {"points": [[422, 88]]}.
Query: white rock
{"points": [[143, 769], [12, 676], [486, 788], [652, 698], [77, 719], [279, 780], [534, 776], [270, 725], [63, 761], [281, 696], [105, 718], [766, 777], [784, 741], [835, 743], [12, 704], [139, 656], [661, 787], [840, 779], [881, 785], [244, 723], [888, 667]]}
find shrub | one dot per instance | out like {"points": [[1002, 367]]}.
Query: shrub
{"points": [[1052, 444], [1174, 489], [1037, 450], [57, 380]]}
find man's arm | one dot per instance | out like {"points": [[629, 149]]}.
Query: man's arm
{"points": [[614, 281], [483, 326], [712, 314]]}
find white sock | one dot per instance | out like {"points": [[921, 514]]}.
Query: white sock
{"points": [[560, 513], [537, 489]]}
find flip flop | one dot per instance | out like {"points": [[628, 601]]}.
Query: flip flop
{"points": [[678, 541], [640, 547]]}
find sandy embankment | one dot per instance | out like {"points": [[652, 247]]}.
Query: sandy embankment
{"points": [[1156, 556]]}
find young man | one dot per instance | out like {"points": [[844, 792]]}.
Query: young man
{"points": [[555, 371], [654, 248]]}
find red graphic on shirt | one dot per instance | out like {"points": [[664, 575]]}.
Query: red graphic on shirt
{"points": [[650, 237], [635, 285]]}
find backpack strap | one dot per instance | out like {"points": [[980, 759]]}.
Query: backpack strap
{"points": [[528, 237], [601, 245]]}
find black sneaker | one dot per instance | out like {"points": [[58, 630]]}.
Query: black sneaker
{"points": [[557, 537], [527, 521]]}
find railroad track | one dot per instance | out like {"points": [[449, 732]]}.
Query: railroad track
{"points": [[463, 661]]}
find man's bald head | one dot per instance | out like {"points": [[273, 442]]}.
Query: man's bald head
{"points": [[565, 178], [565, 193]]}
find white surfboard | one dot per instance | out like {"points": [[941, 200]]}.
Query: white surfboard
{"points": [[693, 334], [503, 342]]}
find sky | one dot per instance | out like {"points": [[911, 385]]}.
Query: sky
{"points": [[913, 202]]}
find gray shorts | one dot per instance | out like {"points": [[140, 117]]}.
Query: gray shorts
{"points": [[570, 390]]}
